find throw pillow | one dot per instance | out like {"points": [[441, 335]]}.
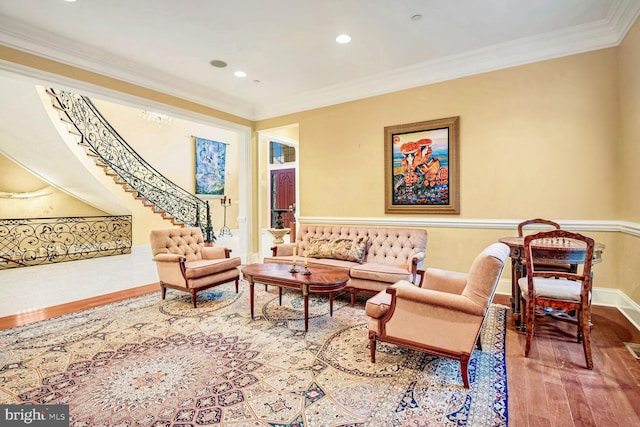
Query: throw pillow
{"points": [[342, 249]]}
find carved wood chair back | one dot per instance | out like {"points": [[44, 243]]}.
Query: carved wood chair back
{"points": [[568, 291]]}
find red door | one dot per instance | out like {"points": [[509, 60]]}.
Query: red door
{"points": [[283, 193]]}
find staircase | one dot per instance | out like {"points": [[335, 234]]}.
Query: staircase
{"points": [[119, 161]]}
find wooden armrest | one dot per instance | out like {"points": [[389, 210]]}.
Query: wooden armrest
{"points": [[417, 261]]}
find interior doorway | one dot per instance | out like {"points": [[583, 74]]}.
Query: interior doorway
{"points": [[279, 188], [283, 196]]}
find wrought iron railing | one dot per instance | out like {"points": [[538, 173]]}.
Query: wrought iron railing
{"points": [[34, 241], [104, 142]]}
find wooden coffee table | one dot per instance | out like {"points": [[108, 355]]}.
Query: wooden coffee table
{"points": [[321, 280]]}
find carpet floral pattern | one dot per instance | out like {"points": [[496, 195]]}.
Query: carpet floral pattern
{"points": [[148, 362]]}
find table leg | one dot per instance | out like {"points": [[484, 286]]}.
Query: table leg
{"points": [[250, 280], [305, 294], [331, 304], [280, 294], [517, 272]]}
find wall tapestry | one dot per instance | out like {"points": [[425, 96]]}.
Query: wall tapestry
{"points": [[210, 167]]}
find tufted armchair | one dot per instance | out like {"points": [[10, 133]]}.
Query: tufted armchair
{"points": [[184, 263], [444, 316]]}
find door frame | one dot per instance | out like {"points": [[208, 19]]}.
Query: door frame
{"points": [[264, 173]]}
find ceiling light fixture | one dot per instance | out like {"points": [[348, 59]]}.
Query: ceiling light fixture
{"points": [[218, 63], [240, 74], [416, 17], [343, 38]]}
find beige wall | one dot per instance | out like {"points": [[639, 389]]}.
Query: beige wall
{"points": [[43, 201], [629, 157], [535, 139], [629, 78], [539, 140]]}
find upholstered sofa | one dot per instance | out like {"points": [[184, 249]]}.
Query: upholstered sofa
{"points": [[374, 257]]}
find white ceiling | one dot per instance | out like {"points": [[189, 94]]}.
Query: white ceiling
{"points": [[288, 48]]}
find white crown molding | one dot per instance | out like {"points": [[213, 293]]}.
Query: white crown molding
{"points": [[631, 228], [608, 32], [39, 77], [17, 35]]}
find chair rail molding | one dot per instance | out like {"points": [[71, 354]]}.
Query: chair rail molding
{"points": [[627, 227]]}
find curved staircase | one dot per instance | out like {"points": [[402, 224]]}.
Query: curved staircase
{"points": [[119, 161]]}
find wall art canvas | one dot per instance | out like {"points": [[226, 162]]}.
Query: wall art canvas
{"points": [[421, 167], [210, 167]]}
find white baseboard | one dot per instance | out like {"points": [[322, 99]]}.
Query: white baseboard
{"points": [[617, 298]]}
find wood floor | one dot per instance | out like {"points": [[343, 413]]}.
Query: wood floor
{"points": [[549, 388]]}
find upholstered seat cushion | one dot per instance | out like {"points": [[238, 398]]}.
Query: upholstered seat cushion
{"points": [[206, 267], [387, 273], [560, 289]]}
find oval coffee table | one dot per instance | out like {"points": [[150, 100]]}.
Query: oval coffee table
{"points": [[321, 280]]}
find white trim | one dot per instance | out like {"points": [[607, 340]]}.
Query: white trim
{"points": [[601, 297], [601, 34], [46, 79], [616, 298], [632, 228]]}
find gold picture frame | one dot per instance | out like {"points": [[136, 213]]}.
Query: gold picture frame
{"points": [[421, 167]]}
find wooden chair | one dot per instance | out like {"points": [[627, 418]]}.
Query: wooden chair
{"points": [[552, 266], [569, 291], [536, 221]]}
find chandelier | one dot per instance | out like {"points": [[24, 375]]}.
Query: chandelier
{"points": [[158, 118]]}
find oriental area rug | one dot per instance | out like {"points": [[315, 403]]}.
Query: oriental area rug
{"points": [[148, 362]]}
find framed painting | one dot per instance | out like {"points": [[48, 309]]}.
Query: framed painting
{"points": [[210, 167], [421, 167]]}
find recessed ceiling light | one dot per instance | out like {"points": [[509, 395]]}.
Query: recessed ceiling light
{"points": [[416, 17], [70, 1], [218, 63], [343, 38], [240, 74]]}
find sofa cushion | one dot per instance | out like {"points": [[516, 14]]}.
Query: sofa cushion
{"points": [[204, 267], [342, 249], [380, 272]]}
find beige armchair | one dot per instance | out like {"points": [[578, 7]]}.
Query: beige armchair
{"points": [[444, 315], [184, 263]]}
